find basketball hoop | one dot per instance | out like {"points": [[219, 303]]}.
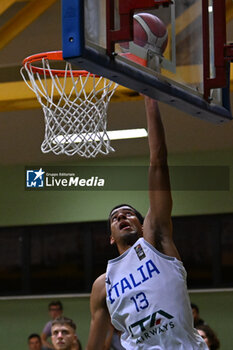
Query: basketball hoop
{"points": [[74, 104]]}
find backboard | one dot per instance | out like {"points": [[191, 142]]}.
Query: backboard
{"points": [[191, 73]]}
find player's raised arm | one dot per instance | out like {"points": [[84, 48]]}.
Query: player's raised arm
{"points": [[100, 318], [157, 228]]}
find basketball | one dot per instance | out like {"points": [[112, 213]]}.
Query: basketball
{"points": [[149, 32]]}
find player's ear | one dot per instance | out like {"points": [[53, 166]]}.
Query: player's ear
{"points": [[75, 341], [112, 240]]}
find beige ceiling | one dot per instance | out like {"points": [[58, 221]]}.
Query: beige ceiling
{"points": [[33, 26]]}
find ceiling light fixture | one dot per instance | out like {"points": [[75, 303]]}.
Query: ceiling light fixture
{"points": [[113, 135]]}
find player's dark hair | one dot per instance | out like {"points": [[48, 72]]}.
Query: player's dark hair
{"points": [[138, 215], [64, 320], [56, 303], [34, 335]]}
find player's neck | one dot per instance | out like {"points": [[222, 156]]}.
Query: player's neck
{"points": [[124, 246]]}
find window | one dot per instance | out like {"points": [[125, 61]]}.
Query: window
{"points": [[66, 258]]}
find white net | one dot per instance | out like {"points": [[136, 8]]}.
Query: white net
{"points": [[75, 109]]}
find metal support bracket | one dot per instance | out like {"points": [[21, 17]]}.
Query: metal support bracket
{"points": [[219, 40], [126, 9]]}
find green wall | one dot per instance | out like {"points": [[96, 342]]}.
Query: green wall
{"points": [[20, 207], [19, 318]]}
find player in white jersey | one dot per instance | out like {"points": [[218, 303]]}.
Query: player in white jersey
{"points": [[143, 292]]}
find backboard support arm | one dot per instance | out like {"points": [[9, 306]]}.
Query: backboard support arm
{"points": [[220, 49]]}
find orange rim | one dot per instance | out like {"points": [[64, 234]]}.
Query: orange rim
{"points": [[55, 56]]}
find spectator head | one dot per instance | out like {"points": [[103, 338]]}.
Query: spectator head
{"points": [[63, 333], [195, 311], [34, 342], [209, 337], [55, 309]]}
